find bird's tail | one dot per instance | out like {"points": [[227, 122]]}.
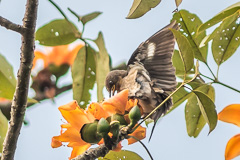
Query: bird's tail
{"points": [[161, 111]]}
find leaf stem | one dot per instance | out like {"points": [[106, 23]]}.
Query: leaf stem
{"points": [[218, 70], [218, 82], [78, 17], [211, 70], [59, 9], [74, 13]]}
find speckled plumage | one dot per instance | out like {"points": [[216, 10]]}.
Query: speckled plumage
{"points": [[150, 75]]}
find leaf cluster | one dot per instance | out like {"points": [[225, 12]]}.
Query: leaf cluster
{"points": [[90, 66], [193, 44]]}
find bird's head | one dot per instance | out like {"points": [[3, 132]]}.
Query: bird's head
{"points": [[113, 81]]}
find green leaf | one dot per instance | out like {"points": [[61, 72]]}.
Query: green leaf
{"points": [[189, 23], [123, 154], [182, 94], [3, 129], [86, 18], [195, 120], [185, 49], [226, 39], [140, 7], [178, 2], [7, 78], [57, 32], [83, 74], [220, 16], [208, 110], [102, 63], [179, 66], [178, 63]]}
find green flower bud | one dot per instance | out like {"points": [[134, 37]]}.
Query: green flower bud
{"points": [[134, 116], [119, 118], [115, 126], [89, 133], [103, 127]]}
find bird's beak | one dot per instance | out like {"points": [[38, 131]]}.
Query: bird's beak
{"points": [[112, 91]]}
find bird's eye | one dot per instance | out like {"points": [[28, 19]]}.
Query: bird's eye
{"points": [[110, 83]]}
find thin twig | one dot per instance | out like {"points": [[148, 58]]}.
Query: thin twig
{"points": [[210, 70], [59, 9], [74, 13], [10, 25], [19, 103], [218, 82]]}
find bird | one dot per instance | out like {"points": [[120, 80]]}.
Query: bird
{"points": [[150, 75]]}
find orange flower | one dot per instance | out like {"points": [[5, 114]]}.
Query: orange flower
{"points": [[230, 114], [139, 133], [57, 55], [76, 118], [116, 104], [233, 147]]}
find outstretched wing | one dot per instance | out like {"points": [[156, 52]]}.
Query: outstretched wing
{"points": [[156, 56]]}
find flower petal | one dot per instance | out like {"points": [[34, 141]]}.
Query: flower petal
{"points": [[40, 55], [139, 133], [58, 54], [230, 114], [131, 103], [79, 150], [97, 111], [69, 134], [72, 54], [74, 115], [233, 147], [117, 103], [55, 143]]}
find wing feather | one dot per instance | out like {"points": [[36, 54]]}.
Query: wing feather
{"points": [[156, 56]]}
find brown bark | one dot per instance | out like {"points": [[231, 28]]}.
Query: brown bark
{"points": [[10, 25], [19, 102]]}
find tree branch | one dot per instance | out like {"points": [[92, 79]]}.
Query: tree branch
{"points": [[5, 107], [10, 25], [103, 149], [58, 91], [19, 103]]}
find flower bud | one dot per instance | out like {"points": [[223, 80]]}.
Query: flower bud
{"points": [[115, 126], [119, 118], [103, 127], [134, 116], [135, 113], [89, 133]]}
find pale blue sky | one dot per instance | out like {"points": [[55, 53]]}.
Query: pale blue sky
{"points": [[122, 36]]}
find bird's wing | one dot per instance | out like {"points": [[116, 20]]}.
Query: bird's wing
{"points": [[156, 56]]}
